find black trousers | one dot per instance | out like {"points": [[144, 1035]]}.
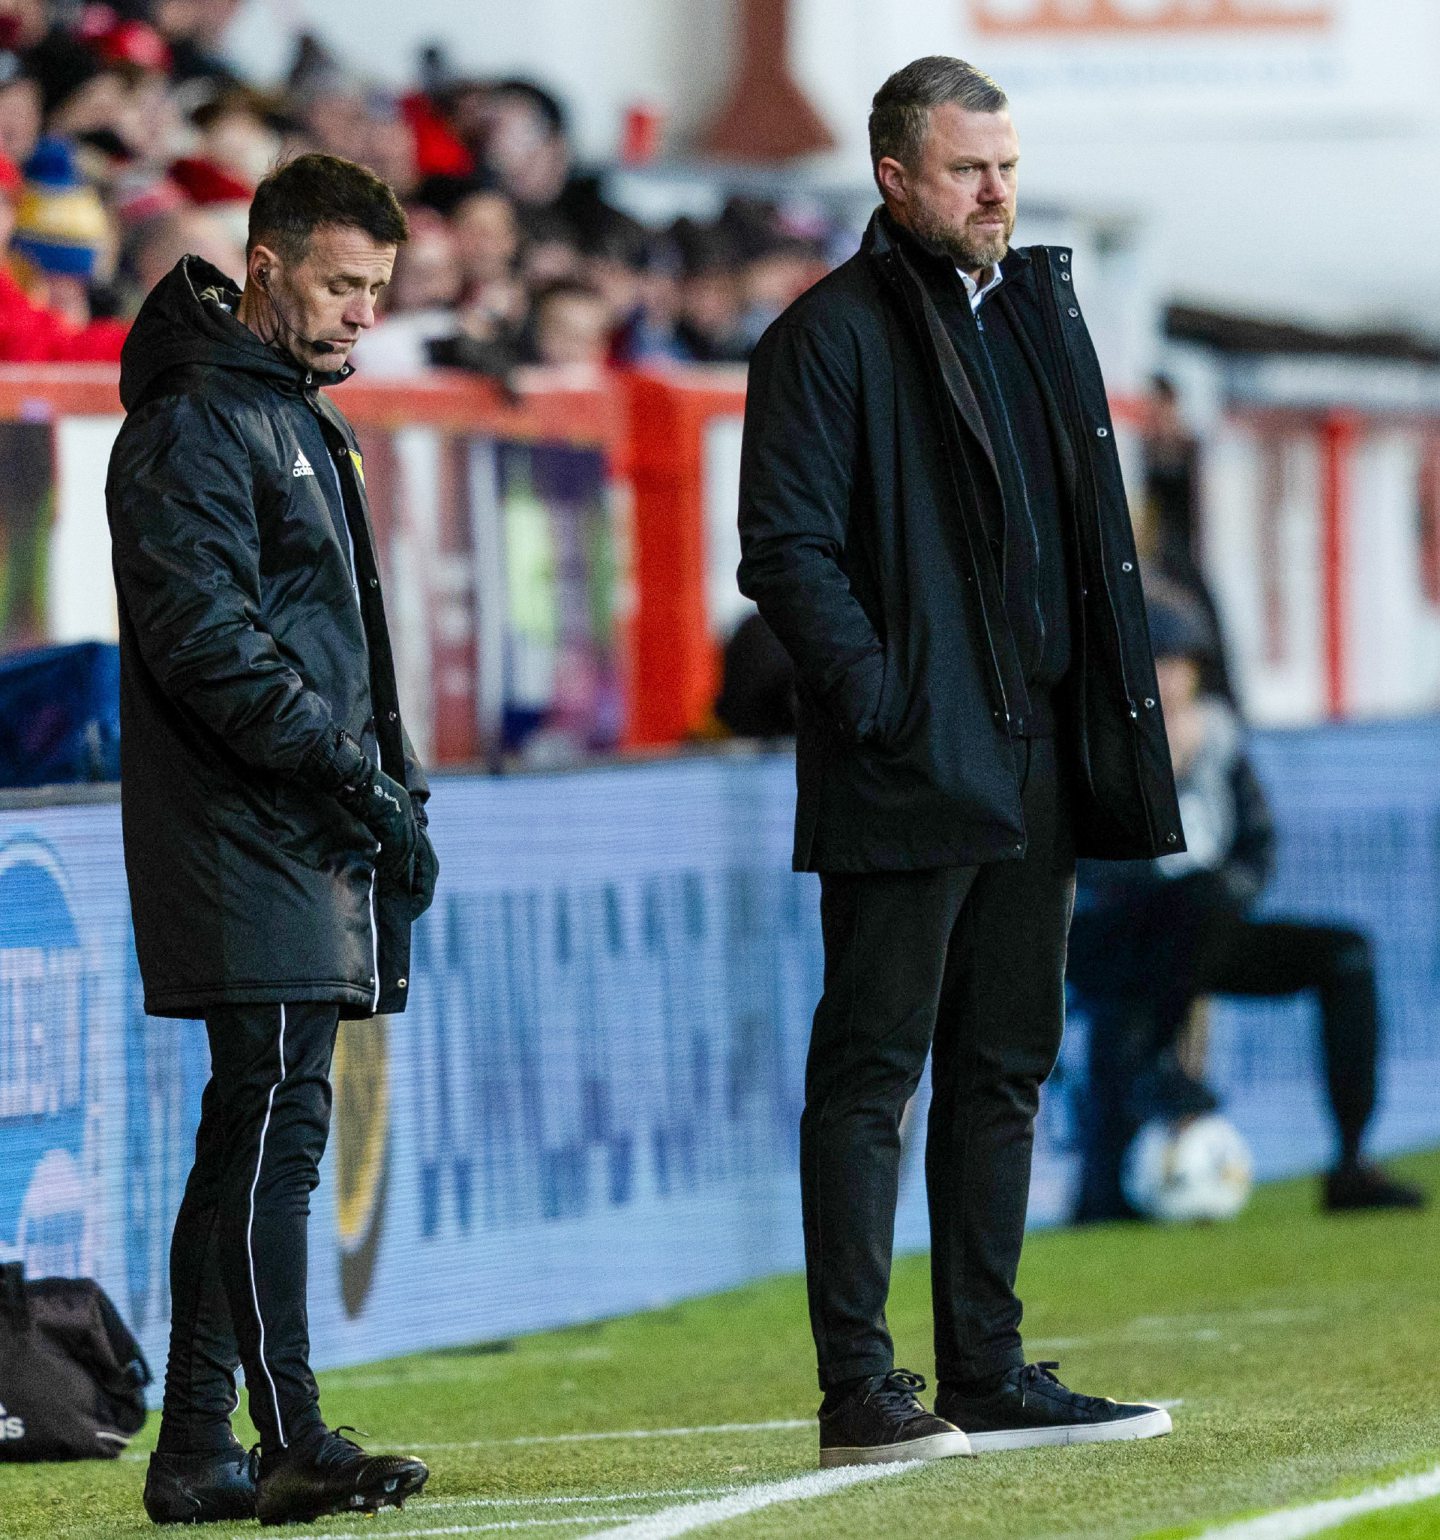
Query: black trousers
{"points": [[238, 1256], [968, 962], [1130, 1034]]}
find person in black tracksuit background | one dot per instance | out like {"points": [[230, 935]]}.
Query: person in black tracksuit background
{"points": [[933, 524], [1150, 938], [273, 811]]}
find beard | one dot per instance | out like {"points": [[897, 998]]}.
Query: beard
{"points": [[969, 246]]}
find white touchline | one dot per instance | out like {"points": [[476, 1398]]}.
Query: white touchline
{"points": [[681, 1519], [466, 1529], [486, 1366], [589, 1497], [1200, 1327], [1294, 1523], [590, 1438]]}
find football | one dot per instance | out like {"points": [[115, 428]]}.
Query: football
{"points": [[1199, 1168]]}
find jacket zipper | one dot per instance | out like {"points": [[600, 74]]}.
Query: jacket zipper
{"points": [[1058, 339], [374, 941], [1052, 319], [942, 394], [1019, 464], [379, 757]]}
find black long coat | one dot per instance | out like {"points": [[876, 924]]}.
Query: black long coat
{"points": [[235, 494], [868, 485]]}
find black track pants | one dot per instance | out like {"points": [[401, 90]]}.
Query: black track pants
{"points": [[238, 1257], [971, 959], [1233, 956], [1281, 957]]}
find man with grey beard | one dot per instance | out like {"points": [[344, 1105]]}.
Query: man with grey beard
{"points": [[933, 523]]}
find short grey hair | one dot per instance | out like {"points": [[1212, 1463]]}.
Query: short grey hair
{"points": [[900, 112]]}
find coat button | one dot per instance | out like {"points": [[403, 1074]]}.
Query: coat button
{"points": [[374, 582], [1102, 433], [401, 983], [1149, 704], [1064, 277], [1064, 256], [1073, 312], [1127, 566], [1171, 839], [392, 716]]}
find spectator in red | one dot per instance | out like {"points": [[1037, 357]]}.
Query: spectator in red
{"points": [[57, 232]]}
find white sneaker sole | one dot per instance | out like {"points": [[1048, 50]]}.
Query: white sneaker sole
{"points": [[939, 1446], [1154, 1424]]}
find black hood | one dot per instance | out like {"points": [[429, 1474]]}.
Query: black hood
{"points": [[189, 318]]}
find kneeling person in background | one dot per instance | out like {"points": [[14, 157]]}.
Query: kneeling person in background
{"points": [[1151, 938]]}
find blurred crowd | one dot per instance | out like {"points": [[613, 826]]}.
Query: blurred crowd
{"points": [[128, 140]]}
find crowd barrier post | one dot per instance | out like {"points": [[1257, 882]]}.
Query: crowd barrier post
{"points": [[676, 648]]}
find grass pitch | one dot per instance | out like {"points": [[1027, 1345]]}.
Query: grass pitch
{"points": [[1301, 1351]]}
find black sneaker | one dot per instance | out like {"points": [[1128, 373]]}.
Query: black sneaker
{"points": [[330, 1474], [1363, 1186], [200, 1488], [882, 1421], [1030, 1406]]}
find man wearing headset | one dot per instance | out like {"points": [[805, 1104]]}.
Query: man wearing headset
{"points": [[275, 832]]}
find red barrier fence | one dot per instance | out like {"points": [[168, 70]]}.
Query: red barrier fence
{"points": [[561, 565]]}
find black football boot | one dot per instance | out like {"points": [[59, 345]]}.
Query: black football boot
{"points": [[330, 1474], [201, 1488]]}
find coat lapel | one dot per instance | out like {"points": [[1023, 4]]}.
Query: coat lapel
{"points": [[1018, 296]]}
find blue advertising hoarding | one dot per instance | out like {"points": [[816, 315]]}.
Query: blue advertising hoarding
{"points": [[592, 1104]]}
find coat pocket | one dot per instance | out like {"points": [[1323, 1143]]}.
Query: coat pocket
{"points": [[891, 708], [319, 832]]}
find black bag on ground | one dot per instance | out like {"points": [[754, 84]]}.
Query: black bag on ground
{"points": [[72, 1377]]}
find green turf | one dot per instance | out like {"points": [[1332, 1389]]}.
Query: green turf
{"points": [[1416, 1521], [1302, 1348]]}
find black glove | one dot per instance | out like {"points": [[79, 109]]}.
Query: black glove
{"points": [[424, 872], [383, 805], [339, 765]]}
